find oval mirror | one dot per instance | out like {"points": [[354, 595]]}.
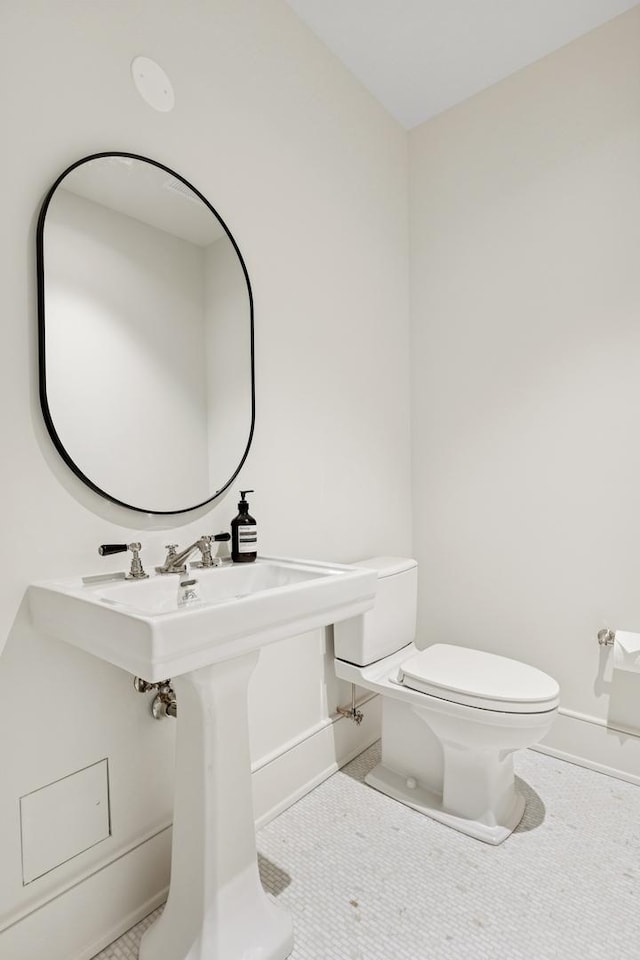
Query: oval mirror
{"points": [[145, 321]]}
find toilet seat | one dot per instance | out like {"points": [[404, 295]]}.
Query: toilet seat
{"points": [[478, 679]]}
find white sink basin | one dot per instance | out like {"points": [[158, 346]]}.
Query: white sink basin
{"points": [[138, 625]]}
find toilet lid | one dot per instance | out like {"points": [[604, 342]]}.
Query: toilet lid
{"points": [[479, 679]]}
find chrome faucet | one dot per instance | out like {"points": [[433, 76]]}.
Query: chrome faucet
{"points": [[177, 562]]}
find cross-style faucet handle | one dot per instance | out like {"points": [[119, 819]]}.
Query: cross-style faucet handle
{"points": [[172, 553]]}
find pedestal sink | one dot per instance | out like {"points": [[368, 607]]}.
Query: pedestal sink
{"points": [[217, 909]]}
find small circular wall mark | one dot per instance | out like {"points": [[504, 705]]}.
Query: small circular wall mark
{"points": [[152, 84]]}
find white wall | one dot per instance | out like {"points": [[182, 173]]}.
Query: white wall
{"points": [[310, 175], [125, 346], [525, 233]]}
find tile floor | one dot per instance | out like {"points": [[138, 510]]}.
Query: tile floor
{"points": [[366, 878]]}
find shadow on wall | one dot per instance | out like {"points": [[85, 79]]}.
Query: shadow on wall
{"points": [[623, 689], [623, 714], [602, 686]]}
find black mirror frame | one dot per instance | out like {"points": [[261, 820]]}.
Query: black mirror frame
{"points": [[42, 368]]}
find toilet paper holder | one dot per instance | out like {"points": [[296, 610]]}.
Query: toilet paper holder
{"points": [[606, 637]]}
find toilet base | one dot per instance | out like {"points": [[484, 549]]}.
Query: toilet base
{"points": [[430, 804]]}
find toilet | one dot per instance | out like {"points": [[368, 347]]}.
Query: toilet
{"points": [[452, 717]]}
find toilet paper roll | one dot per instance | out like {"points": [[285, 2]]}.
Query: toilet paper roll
{"points": [[626, 651]]}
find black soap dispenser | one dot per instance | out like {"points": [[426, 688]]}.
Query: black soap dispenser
{"points": [[244, 533]]}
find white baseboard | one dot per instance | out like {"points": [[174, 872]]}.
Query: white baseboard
{"points": [[83, 918], [589, 742]]}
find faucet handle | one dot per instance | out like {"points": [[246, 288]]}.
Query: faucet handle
{"points": [[206, 560], [137, 571], [222, 555], [106, 549], [205, 543], [172, 553]]}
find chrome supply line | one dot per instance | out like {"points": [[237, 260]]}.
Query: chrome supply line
{"points": [[352, 712]]}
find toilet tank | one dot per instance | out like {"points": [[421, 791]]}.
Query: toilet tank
{"points": [[391, 624]]}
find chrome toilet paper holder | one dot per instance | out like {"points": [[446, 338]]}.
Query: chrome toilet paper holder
{"points": [[606, 637]]}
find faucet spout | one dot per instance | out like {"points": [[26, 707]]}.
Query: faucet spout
{"points": [[177, 562]]}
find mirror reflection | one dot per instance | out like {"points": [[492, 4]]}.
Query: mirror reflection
{"points": [[146, 335]]}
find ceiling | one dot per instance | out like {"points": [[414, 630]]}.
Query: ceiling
{"points": [[420, 57]]}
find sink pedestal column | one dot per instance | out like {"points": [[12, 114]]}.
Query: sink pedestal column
{"points": [[217, 909]]}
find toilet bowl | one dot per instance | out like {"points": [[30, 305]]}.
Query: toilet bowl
{"points": [[452, 717]]}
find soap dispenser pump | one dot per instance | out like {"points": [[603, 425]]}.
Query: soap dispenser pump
{"points": [[244, 533]]}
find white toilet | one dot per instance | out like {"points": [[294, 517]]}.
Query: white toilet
{"points": [[452, 717]]}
